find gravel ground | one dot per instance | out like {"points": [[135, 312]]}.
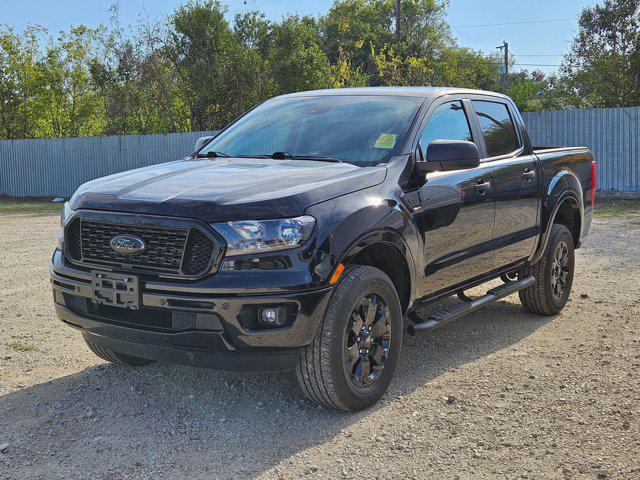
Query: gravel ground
{"points": [[500, 393]]}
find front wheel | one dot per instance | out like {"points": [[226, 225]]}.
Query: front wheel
{"points": [[352, 359], [553, 274]]}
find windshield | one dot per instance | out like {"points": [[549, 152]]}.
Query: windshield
{"points": [[361, 130]]}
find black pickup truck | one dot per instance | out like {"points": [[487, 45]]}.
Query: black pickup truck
{"points": [[305, 234]]}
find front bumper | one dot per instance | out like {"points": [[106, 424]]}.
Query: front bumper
{"points": [[188, 326]]}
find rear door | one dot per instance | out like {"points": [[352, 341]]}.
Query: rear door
{"points": [[516, 179], [457, 214]]}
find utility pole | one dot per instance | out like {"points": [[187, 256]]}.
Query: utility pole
{"points": [[398, 14], [505, 66]]}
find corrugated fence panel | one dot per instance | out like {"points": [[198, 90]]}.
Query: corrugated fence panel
{"points": [[58, 166], [612, 134]]}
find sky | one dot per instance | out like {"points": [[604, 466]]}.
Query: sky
{"points": [[478, 24]]}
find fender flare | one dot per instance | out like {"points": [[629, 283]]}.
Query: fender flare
{"points": [[564, 187], [392, 239]]}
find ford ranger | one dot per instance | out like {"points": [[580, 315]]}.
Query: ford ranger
{"points": [[305, 235]]}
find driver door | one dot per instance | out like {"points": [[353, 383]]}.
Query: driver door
{"points": [[458, 207]]}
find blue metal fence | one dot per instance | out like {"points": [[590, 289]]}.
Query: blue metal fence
{"points": [[612, 134], [56, 167]]}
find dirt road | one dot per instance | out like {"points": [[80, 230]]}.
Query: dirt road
{"points": [[498, 394]]}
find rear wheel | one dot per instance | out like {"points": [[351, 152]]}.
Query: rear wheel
{"points": [[553, 274], [352, 359], [116, 357]]}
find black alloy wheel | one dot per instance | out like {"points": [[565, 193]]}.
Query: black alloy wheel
{"points": [[560, 271], [367, 341]]}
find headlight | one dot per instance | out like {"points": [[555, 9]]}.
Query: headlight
{"points": [[257, 236], [66, 213]]}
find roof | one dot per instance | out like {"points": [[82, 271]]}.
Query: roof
{"points": [[422, 92]]}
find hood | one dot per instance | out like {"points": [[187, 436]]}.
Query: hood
{"points": [[223, 189]]}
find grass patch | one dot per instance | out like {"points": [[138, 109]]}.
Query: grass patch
{"points": [[610, 208], [10, 205], [21, 347]]}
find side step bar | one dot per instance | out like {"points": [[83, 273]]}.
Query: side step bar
{"points": [[449, 314]]}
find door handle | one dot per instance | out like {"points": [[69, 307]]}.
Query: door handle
{"points": [[482, 187], [529, 175]]}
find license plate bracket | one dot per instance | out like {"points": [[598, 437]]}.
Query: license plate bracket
{"points": [[116, 290]]}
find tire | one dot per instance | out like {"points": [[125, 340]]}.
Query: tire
{"points": [[327, 372], [543, 297], [115, 357]]}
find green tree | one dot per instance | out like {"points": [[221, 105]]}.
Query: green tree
{"points": [[465, 68], [533, 91], [67, 104], [19, 82], [603, 67], [366, 30], [198, 71], [205, 55], [253, 32], [394, 69], [296, 61], [136, 81], [344, 74]]}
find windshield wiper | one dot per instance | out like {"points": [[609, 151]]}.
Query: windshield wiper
{"points": [[317, 158], [290, 156], [212, 154]]}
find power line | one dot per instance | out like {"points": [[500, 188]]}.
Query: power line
{"points": [[513, 23], [540, 55], [538, 65]]}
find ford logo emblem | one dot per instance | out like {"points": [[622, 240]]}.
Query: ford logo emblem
{"points": [[127, 245]]}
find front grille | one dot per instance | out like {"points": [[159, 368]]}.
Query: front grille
{"points": [[164, 246], [177, 250]]}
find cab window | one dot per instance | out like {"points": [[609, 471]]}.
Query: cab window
{"points": [[497, 128], [447, 122]]}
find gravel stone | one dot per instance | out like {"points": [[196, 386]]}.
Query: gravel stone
{"points": [[458, 407]]}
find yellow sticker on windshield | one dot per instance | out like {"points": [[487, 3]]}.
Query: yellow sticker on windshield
{"points": [[386, 140]]}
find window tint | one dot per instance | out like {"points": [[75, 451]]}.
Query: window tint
{"points": [[448, 122], [358, 129], [497, 128]]}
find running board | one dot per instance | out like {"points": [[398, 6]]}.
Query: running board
{"points": [[449, 314]]}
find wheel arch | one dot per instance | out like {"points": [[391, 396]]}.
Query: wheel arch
{"points": [[563, 205], [387, 251]]}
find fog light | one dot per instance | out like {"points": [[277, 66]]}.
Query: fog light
{"points": [[269, 315], [274, 316]]}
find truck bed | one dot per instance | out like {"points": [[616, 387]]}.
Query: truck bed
{"points": [[550, 149]]}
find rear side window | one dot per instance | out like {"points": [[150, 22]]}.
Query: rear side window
{"points": [[497, 128], [447, 122]]}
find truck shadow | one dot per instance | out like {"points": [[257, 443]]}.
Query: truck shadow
{"points": [[174, 421]]}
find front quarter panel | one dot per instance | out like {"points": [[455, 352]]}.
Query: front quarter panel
{"points": [[350, 223]]}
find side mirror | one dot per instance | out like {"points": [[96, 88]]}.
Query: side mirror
{"points": [[201, 141], [447, 155]]}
